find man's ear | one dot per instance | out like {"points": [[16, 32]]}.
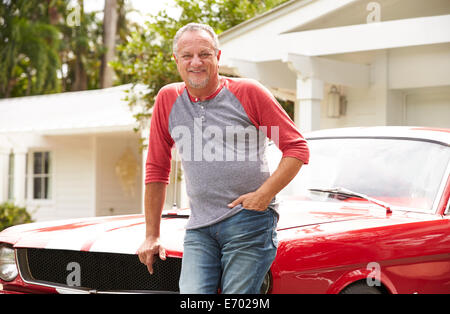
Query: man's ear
{"points": [[218, 55], [176, 60]]}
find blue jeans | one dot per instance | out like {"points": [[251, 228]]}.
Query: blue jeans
{"points": [[233, 255]]}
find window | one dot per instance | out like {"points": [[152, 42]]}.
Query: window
{"points": [[41, 175], [377, 167], [11, 177]]}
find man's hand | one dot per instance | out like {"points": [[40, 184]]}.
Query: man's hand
{"points": [[148, 250], [155, 194], [260, 199], [254, 201]]}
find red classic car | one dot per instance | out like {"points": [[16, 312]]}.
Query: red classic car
{"points": [[369, 214]]}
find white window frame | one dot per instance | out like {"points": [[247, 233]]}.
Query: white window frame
{"points": [[10, 186], [32, 176]]}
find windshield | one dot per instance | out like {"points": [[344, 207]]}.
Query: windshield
{"points": [[398, 171]]}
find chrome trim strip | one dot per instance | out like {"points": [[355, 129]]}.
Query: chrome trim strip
{"points": [[22, 264], [447, 211], [66, 290], [136, 292], [385, 137], [441, 189]]}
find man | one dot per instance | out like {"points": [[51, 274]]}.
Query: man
{"points": [[219, 126]]}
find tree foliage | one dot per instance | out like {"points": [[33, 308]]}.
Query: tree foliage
{"points": [[147, 56], [40, 52], [28, 48]]}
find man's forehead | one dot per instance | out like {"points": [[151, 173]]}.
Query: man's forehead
{"points": [[196, 38]]}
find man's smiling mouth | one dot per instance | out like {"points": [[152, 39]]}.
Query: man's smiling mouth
{"points": [[196, 71]]}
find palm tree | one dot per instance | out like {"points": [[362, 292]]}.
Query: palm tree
{"points": [[28, 48], [109, 41]]}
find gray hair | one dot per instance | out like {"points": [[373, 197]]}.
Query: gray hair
{"points": [[191, 27]]}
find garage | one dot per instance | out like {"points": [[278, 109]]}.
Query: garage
{"points": [[428, 107]]}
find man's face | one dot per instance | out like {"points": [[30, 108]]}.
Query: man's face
{"points": [[196, 60]]}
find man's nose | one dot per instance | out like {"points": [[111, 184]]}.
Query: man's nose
{"points": [[196, 61]]}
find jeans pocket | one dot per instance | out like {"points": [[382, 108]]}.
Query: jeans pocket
{"points": [[257, 211]]}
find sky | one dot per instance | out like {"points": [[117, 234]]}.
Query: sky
{"points": [[142, 6]]}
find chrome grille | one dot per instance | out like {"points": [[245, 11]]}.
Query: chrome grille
{"points": [[98, 271]]}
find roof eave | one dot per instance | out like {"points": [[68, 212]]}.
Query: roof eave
{"points": [[262, 19]]}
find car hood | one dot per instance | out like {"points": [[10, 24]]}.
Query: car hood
{"points": [[124, 234], [117, 234]]}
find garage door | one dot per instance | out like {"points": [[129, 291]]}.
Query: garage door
{"points": [[428, 108]]}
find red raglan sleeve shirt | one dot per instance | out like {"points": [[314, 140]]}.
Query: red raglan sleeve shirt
{"points": [[262, 109], [266, 114], [160, 142]]}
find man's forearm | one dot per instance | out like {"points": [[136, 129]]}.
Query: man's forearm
{"points": [[155, 195], [285, 172], [260, 199]]}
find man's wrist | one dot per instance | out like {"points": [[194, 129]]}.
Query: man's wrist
{"points": [[264, 196], [152, 235]]}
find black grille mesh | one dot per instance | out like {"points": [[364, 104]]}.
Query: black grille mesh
{"points": [[104, 271]]}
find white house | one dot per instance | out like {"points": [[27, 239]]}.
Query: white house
{"points": [[349, 62], [70, 155], [340, 62]]}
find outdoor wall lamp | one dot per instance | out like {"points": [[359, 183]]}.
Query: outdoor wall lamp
{"points": [[334, 103]]}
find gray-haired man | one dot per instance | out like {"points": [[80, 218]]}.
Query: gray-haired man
{"points": [[230, 240]]}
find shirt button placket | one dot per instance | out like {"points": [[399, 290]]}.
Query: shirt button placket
{"points": [[202, 112]]}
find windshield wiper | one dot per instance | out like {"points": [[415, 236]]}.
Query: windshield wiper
{"points": [[349, 193]]}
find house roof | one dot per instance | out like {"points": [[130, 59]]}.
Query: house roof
{"points": [[262, 18], [328, 27], [340, 13], [289, 11], [71, 112]]}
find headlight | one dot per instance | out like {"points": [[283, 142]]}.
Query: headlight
{"points": [[8, 268]]}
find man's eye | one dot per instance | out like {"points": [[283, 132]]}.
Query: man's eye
{"points": [[205, 55], [186, 56]]}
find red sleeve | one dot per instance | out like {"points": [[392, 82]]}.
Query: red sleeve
{"points": [[267, 115], [159, 156]]}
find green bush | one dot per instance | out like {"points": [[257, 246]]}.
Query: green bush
{"points": [[11, 215]]}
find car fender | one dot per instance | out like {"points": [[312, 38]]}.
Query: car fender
{"points": [[373, 276]]}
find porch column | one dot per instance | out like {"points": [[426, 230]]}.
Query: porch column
{"points": [[19, 176], [4, 161], [307, 106]]}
